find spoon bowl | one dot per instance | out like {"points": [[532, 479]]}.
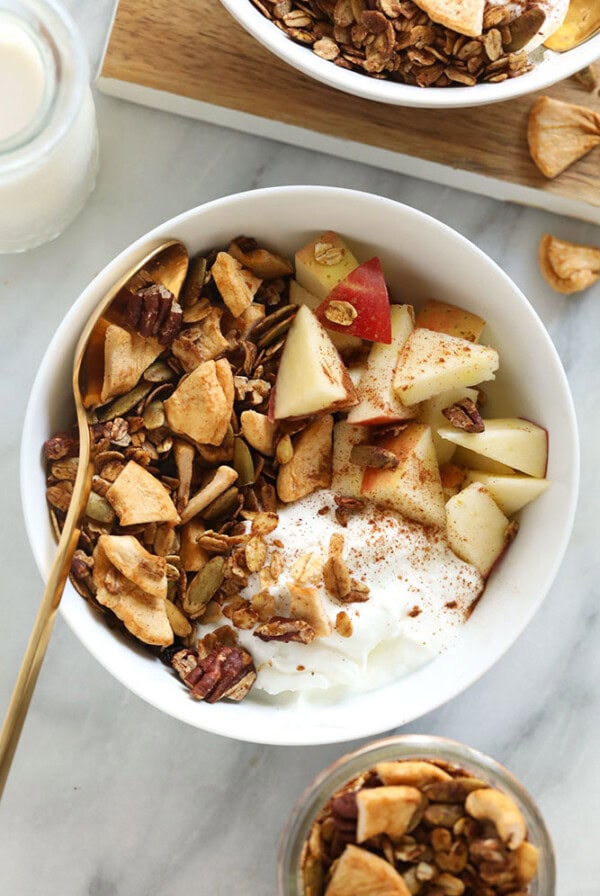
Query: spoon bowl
{"points": [[166, 264], [581, 23]]}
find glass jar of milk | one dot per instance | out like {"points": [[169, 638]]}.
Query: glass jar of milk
{"points": [[48, 136]]}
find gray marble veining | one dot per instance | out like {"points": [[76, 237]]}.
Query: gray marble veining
{"points": [[109, 798]]}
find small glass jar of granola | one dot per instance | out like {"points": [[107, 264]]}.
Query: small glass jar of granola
{"points": [[415, 814]]}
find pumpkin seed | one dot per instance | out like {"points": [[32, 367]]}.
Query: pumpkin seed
{"points": [[223, 506], [98, 508], [193, 282], [243, 463], [278, 329], [124, 403], [159, 372], [154, 415], [203, 586], [180, 625]]}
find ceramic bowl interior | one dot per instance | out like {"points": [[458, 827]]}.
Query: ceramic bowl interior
{"points": [[421, 258], [552, 68]]}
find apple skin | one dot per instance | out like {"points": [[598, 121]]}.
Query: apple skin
{"points": [[446, 318], [312, 378], [366, 291], [377, 402], [414, 488], [344, 343], [518, 443], [318, 278]]}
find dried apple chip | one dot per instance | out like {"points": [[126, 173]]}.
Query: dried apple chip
{"points": [[560, 133], [201, 406], [133, 584], [568, 267], [139, 497]]}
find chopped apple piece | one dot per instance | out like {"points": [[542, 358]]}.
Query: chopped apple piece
{"points": [[312, 377], [361, 873], [510, 493], [453, 478], [450, 319], [322, 263], [347, 477], [386, 810], [431, 362], [519, 444], [378, 404], [310, 466], [414, 488], [300, 296], [466, 458], [359, 305], [430, 412], [478, 531]]}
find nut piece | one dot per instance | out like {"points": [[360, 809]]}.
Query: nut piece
{"points": [[568, 267], [373, 456], [464, 415], [560, 133], [495, 806], [386, 810], [415, 772], [360, 872], [227, 672]]}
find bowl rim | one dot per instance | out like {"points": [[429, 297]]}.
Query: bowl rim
{"points": [[214, 723], [556, 68]]}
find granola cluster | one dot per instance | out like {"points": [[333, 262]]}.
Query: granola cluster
{"points": [[421, 827], [189, 471], [398, 41]]}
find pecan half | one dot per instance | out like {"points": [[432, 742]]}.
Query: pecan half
{"points": [[373, 456], [464, 415], [226, 673]]}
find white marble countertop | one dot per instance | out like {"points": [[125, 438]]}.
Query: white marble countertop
{"points": [[108, 797]]}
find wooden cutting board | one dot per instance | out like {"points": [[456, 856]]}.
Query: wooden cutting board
{"points": [[191, 57]]}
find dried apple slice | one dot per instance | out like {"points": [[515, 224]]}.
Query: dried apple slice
{"points": [[359, 305], [361, 873], [386, 810], [139, 497]]}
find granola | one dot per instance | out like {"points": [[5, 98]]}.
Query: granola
{"points": [[425, 43], [418, 826]]}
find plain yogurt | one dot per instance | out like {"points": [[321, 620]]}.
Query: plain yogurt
{"points": [[420, 595]]}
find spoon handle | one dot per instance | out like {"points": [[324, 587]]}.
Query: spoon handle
{"points": [[44, 621]]}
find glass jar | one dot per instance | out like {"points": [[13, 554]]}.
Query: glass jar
{"points": [[410, 746], [48, 135]]}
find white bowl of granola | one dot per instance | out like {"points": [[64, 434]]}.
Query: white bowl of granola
{"points": [[358, 662], [428, 54]]}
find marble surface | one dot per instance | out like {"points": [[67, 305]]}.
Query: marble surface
{"points": [[108, 797]]}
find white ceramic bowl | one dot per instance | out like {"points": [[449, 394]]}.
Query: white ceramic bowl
{"points": [[554, 67], [421, 258]]}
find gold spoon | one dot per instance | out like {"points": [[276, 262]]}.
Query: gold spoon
{"points": [[581, 22], [166, 264]]}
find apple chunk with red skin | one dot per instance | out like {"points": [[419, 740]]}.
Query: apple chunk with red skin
{"points": [[364, 289], [342, 341], [518, 443], [432, 362], [312, 378], [446, 318], [377, 402], [414, 487], [478, 531]]}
